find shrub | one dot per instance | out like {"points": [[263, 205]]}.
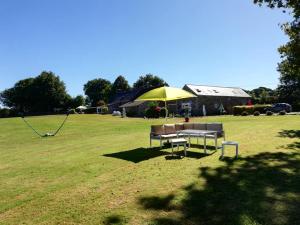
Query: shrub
{"points": [[163, 112], [282, 112], [104, 109], [153, 112], [250, 109], [256, 113], [245, 113], [269, 113], [4, 113], [100, 103], [152, 104], [296, 106]]}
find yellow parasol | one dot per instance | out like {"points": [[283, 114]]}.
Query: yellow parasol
{"points": [[165, 94]]}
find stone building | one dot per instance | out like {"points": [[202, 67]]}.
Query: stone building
{"points": [[210, 99], [213, 99]]}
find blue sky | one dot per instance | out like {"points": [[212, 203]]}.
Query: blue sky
{"points": [[225, 43]]}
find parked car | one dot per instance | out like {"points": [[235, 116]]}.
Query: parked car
{"points": [[280, 107]]}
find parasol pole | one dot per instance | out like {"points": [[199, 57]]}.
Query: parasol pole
{"points": [[166, 109]]}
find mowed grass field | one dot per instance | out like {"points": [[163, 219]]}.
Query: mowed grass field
{"points": [[99, 170]]}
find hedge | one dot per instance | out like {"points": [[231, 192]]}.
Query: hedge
{"points": [[250, 109], [5, 112], [104, 109]]}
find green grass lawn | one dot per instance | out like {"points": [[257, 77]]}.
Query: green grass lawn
{"points": [[99, 170]]}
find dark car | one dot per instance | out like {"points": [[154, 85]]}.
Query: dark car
{"points": [[280, 107]]}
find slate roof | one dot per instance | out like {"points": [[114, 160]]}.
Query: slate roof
{"points": [[132, 104], [203, 90], [125, 97]]}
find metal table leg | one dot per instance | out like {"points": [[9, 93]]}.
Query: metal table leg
{"points": [[223, 147], [216, 141], [205, 143]]}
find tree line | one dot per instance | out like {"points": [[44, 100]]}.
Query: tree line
{"points": [[47, 93], [264, 95], [100, 91]]}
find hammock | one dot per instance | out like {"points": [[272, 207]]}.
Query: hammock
{"points": [[46, 134]]}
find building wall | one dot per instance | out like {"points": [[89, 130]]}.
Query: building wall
{"points": [[212, 104], [136, 111]]}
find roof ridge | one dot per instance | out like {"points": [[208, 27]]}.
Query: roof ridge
{"points": [[212, 86]]}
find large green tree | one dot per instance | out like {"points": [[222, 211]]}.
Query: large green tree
{"points": [[19, 97], [76, 101], [149, 81], [40, 94], [120, 85], [263, 95], [49, 92], [97, 90], [289, 67]]}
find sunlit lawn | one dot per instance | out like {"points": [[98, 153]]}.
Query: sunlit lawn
{"points": [[99, 170]]}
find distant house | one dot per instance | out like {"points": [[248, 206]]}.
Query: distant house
{"points": [[135, 108], [125, 99], [215, 99]]}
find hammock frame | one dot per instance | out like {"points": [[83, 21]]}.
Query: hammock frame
{"points": [[46, 134]]}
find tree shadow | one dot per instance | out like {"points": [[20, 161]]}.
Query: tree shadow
{"points": [[139, 154], [258, 189], [294, 146], [291, 134], [158, 203], [113, 219]]}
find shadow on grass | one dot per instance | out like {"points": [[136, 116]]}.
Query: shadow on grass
{"points": [[208, 147], [199, 155], [158, 203], [295, 146], [113, 219], [176, 156], [291, 134], [258, 189], [139, 154]]}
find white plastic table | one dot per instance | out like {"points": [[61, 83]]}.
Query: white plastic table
{"points": [[179, 141], [199, 133], [233, 143]]}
